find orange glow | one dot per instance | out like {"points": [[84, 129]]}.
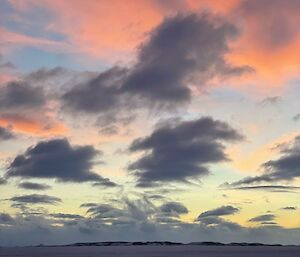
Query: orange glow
{"points": [[251, 162], [32, 126]]}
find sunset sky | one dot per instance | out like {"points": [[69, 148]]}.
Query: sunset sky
{"points": [[149, 120]]}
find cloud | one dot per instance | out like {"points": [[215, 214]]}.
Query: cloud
{"points": [[35, 199], [29, 103], [285, 168], [18, 95], [6, 219], [215, 221], [296, 117], [10, 39], [272, 47], [45, 74], [173, 209], [180, 151], [183, 51], [65, 216], [56, 159], [32, 122], [111, 124], [105, 211], [5, 65], [133, 220], [34, 230], [263, 218], [270, 188], [109, 130], [282, 30], [270, 101], [33, 186], [28, 107], [289, 208], [213, 218], [100, 94], [127, 212], [105, 182], [221, 211], [2, 181], [84, 205], [6, 134]]}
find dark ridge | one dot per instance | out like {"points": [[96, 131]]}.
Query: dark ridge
{"points": [[160, 243]]}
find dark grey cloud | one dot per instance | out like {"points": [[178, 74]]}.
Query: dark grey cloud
{"points": [[184, 51], [35, 199], [173, 209], [105, 182], [270, 188], [296, 117], [33, 186], [44, 74], [214, 218], [87, 205], [124, 212], [56, 159], [289, 208], [168, 220], [6, 134], [19, 95], [101, 94], [270, 101], [110, 124], [65, 216], [4, 64], [215, 221], [5, 218], [3, 181], [272, 223], [157, 197], [109, 130], [7, 65], [25, 101], [221, 211], [176, 152], [263, 218], [57, 80], [285, 168], [105, 211]]}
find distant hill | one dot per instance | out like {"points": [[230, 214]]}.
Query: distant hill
{"points": [[159, 243]]}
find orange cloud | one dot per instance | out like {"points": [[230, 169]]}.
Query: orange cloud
{"points": [[107, 29], [6, 77], [250, 162], [113, 29], [32, 126], [269, 41]]}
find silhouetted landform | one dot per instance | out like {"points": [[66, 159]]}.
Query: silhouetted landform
{"points": [[160, 243], [114, 243]]}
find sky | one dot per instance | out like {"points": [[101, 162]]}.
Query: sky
{"points": [[149, 120]]}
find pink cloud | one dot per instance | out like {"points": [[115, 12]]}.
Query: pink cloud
{"points": [[269, 41], [11, 39]]}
